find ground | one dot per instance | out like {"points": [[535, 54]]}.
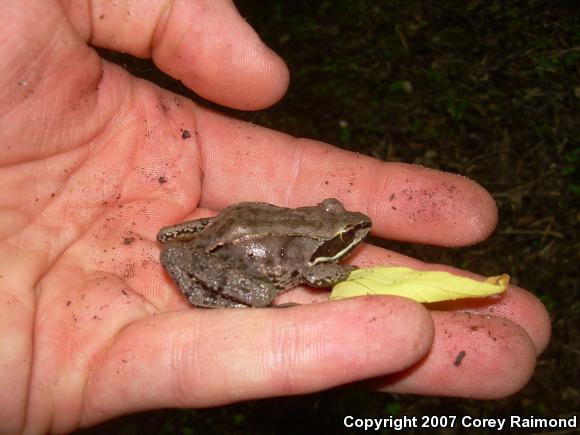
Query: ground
{"points": [[487, 89]]}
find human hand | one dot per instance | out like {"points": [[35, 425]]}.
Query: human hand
{"points": [[94, 162]]}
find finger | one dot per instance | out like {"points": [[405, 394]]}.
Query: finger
{"points": [[474, 356], [204, 43], [515, 304], [211, 357], [242, 161]]}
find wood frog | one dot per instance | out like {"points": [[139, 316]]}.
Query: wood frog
{"points": [[252, 251]]}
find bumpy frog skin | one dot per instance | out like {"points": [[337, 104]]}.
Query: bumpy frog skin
{"points": [[252, 251]]}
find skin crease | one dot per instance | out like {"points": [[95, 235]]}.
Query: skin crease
{"points": [[93, 162]]}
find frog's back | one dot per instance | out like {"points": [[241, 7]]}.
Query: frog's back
{"points": [[258, 219]]}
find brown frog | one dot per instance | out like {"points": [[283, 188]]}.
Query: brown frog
{"points": [[252, 251]]}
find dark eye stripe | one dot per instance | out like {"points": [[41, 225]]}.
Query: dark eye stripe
{"points": [[340, 245]]}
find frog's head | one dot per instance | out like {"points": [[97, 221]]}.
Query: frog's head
{"points": [[349, 229]]}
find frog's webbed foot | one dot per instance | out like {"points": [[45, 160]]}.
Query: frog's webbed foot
{"points": [[326, 274], [182, 232]]}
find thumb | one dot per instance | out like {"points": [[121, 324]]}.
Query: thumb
{"points": [[204, 43]]}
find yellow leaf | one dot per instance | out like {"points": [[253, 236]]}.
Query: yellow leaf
{"points": [[419, 285]]}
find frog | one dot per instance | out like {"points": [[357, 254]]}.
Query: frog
{"points": [[252, 251]]}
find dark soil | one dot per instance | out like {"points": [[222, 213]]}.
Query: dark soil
{"points": [[487, 89]]}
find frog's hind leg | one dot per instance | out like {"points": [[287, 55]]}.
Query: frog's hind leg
{"points": [[183, 232], [207, 276], [202, 297], [247, 289], [196, 293]]}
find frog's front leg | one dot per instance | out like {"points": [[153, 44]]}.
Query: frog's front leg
{"points": [[182, 232], [326, 274]]}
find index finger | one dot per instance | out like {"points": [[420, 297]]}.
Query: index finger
{"points": [[245, 162]]}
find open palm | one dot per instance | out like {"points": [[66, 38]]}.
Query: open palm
{"points": [[93, 162]]}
